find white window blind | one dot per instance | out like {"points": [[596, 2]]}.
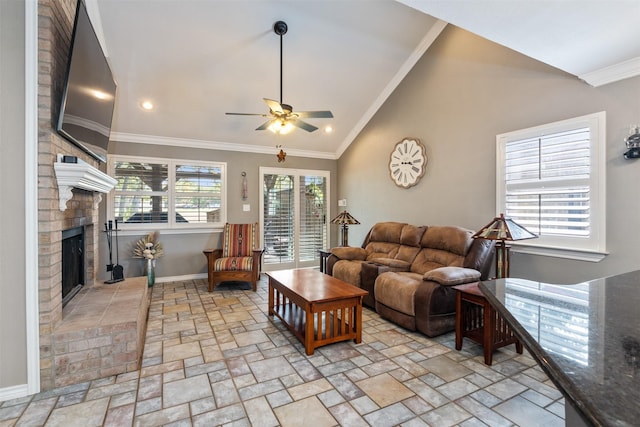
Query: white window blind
{"points": [[551, 181], [165, 193], [279, 218], [198, 193], [313, 230]]}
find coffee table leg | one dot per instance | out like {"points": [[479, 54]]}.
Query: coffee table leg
{"points": [[271, 298], [358, 322], [309, 331]]}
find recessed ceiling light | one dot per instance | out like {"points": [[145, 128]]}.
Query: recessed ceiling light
{"points": [[147, 105], [328, 129]]}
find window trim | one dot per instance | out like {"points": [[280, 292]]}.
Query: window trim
{"points": [[169, 227], [594, 248]]}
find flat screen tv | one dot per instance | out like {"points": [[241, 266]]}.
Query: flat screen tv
{"points": [[88, 97]]}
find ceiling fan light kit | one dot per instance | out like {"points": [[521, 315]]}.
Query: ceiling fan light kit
{"points": [[281, 127], [282, 118]]}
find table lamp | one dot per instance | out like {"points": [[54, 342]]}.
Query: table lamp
{"points": [[501, 230], [345, 220]]}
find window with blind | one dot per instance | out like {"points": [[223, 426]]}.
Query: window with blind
{"points": [[166, 193], [550, 179]]}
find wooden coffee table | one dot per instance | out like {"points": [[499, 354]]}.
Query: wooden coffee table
{"points": [[319, 309]]}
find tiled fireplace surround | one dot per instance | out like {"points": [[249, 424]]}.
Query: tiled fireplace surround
{"points": [[75, 345]]}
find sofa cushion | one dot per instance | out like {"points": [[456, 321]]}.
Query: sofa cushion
{"points": [[238, 240], [381, 250], [396, 290], [452, 239], [386, 232], [233, 264], [447, 276], [442, 246], [411, 235]]}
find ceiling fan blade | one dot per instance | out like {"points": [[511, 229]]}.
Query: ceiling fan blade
{"points": [[303, 125], [314, 114], [265, 125], [274, 106], [245, 114]]}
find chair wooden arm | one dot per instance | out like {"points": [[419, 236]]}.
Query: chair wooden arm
{"points": [[212, 255], [257, 260]]}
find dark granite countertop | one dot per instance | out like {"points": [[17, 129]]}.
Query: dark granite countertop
{"points": [[585, 336]]}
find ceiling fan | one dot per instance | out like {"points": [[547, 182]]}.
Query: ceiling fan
{"points": [[282, 118]]}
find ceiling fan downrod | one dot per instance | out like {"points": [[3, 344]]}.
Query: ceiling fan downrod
{"points": [[280, 28]]}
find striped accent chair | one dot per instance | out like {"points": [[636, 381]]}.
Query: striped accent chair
{"points": [[238, 259]]}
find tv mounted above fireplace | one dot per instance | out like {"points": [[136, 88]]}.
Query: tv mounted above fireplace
{"points": [[88, 97]]}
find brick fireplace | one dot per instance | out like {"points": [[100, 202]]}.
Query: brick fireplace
{"points": [[81, 341]]}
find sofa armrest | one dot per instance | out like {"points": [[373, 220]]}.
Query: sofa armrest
{"points": [[349, 253], [448, 276]]}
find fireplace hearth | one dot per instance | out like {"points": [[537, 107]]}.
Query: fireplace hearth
{"points": [[72, 263]]}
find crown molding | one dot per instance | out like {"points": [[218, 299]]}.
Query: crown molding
{"points": [[613, 73], [214, 145]]}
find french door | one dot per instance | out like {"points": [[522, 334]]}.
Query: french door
{"points": [[294, 217]]}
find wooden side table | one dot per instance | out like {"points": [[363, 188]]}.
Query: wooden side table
{"points": [[477, 319]]}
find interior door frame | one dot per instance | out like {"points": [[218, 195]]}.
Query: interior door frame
{"points": [[296, 173]]}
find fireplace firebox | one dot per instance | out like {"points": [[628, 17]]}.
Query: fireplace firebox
{"points": [[72, 263]]}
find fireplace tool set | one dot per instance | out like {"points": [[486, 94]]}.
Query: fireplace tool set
{"points": [[117, 272]]}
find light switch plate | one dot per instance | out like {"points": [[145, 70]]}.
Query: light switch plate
{"points": [[246, 207]]}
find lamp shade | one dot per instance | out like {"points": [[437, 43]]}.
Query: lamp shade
{"points": [[501, 228], [344, 218]]}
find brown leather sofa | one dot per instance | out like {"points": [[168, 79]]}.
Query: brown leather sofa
{"points": [[409, 271]]}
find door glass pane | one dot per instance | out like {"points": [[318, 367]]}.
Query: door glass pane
{"points": [[313, 235], [278, 219]]}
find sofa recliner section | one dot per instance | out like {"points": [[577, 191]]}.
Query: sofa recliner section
{"points": [[410, 275]]}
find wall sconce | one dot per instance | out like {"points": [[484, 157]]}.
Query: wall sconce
{"points": [[633, 143], [503, 229], [245, 186], [345, 220]]}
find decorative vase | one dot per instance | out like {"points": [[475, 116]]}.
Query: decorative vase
{"points": [[151, 272]]}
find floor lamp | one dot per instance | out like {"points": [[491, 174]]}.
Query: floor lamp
{"points": [[503, 230], [344, 219]]}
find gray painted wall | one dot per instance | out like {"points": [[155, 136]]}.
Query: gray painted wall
{"points": [[462, 93], [183, 252], [13, 336]]}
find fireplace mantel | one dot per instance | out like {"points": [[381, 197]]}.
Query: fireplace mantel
{"points": [[80, 175]]}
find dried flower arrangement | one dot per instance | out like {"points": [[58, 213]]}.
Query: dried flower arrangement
{"points": [[148, 247]]}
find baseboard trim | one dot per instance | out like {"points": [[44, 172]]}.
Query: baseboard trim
{"points": [[181, 278], [14, 392]]}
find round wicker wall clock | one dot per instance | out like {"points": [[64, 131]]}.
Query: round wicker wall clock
{"points": [[408, 162]]}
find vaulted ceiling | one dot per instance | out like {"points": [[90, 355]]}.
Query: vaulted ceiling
{"points": [[196, 59]]}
